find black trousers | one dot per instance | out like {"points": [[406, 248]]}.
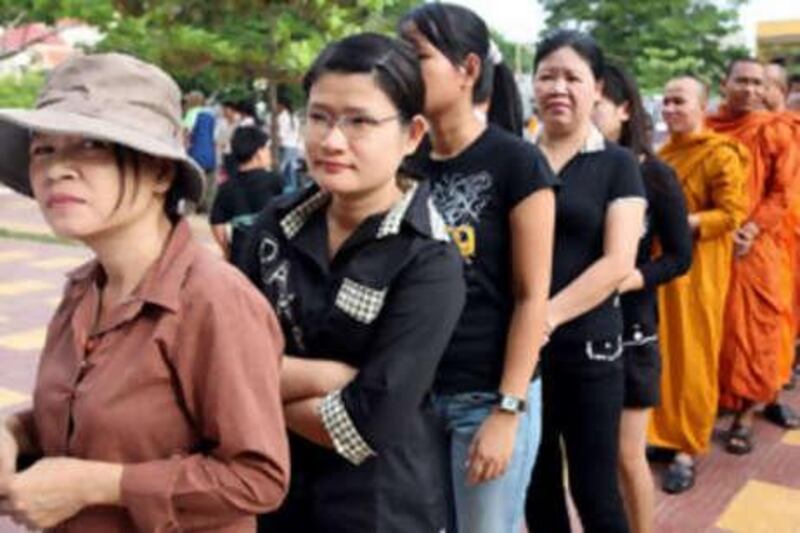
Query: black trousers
{"points": [[582, 394]]}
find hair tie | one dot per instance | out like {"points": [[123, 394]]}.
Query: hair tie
{"points": [[494, 55]]}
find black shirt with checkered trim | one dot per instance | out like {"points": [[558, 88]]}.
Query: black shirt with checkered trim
{"points": [[386, 303]]}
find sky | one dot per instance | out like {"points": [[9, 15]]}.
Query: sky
{"points": [[521, 20]]}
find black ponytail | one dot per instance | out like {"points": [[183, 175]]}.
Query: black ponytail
{"points": [[457, 32], [505, 107]]}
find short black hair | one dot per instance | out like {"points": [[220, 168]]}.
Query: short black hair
{"points": [[392, 63], [246, 141], [736, 60], [582, 43]]}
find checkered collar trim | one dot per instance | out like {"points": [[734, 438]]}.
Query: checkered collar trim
{"points": [[394, 218], [295, 219], [594, 142]]}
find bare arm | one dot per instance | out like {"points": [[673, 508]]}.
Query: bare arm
{"points": [[532, 226], [303, 418], [303, 379], [220, 234], [623, 229]]}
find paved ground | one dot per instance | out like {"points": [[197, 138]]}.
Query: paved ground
{"points": [[757, 493]]}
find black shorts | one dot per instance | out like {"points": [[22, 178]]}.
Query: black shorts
{"points": [[642, 364]]}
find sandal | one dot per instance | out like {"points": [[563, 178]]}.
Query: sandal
{"points": [[678, 478], [782, 415], [739, 440]]}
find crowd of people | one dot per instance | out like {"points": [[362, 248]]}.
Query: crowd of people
{"points": [[446, 325]]}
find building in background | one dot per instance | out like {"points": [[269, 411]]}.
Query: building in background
{"points": [[779, 41]]}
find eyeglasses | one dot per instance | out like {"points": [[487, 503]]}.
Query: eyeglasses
{"points": [[318, 124]]}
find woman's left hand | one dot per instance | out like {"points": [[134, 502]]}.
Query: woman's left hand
{"points": [[55, 489], [492, 447]]}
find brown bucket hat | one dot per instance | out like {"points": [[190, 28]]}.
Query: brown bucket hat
{"points": [[109, 97]]}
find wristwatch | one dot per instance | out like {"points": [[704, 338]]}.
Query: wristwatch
{"points": [[510, 404]]}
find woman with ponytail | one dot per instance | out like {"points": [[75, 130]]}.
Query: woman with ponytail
{"points": [[496, 194], [620, 117]]}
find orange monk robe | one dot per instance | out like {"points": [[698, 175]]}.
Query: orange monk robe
{"points": [[712, 169], [754, 339], [794, 226], [790, 281]]}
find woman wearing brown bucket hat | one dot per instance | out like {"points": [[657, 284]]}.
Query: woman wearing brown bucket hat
{"points": [[142, 411]]}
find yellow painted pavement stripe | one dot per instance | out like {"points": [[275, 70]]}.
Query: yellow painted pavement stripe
{"points": [[792, 438], [23, 286], [761, 507], [42, 228], [9, 397], [31, 339], [8, 256], [58, 263]]}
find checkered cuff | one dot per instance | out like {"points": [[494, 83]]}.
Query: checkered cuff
{"points": [[360, 302], [346, 439]]}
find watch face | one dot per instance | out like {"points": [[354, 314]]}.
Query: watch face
{"points": [[507, 403]]}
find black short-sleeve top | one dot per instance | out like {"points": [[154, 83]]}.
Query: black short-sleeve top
{"points": [[387, 304], [601, 174], [476, 191]]}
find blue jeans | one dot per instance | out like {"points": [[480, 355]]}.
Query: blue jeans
{"points": [[496, 506]]}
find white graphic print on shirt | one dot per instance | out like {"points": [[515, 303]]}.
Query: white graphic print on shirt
{"points": [[275, 279], [461, 198]]}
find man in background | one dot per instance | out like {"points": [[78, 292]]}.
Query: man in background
{"points": [[242, 197]]}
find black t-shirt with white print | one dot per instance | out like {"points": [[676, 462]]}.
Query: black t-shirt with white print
{"points": [[475, 192]]}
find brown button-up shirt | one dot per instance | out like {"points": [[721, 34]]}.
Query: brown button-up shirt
{"points": [[180, 384]]}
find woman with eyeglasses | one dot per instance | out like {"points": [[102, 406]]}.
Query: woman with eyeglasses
{"points": [[368, 289], [496, 194]]}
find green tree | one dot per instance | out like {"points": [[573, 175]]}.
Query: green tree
{"points": [[656, 40], [518, 56], [220, 44], [20, 91]]}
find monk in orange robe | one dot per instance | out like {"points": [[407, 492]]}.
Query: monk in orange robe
{"points": [[776, 92], [712, 169], [753, 336]]}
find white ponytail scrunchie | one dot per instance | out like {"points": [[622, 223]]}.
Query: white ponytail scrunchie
{"points": [[494, 55]]}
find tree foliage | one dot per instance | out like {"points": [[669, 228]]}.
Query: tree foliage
{"points": [[518, 56], [20, 91], [656, 40], [219, 45], [207, 44]]}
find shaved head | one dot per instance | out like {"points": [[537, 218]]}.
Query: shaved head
{"points": [[684, 105], [693, 82], [776, 74], [793, 102], [776, 88]]}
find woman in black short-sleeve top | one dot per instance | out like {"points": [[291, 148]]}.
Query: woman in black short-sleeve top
{"points": [[599, 214]]}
